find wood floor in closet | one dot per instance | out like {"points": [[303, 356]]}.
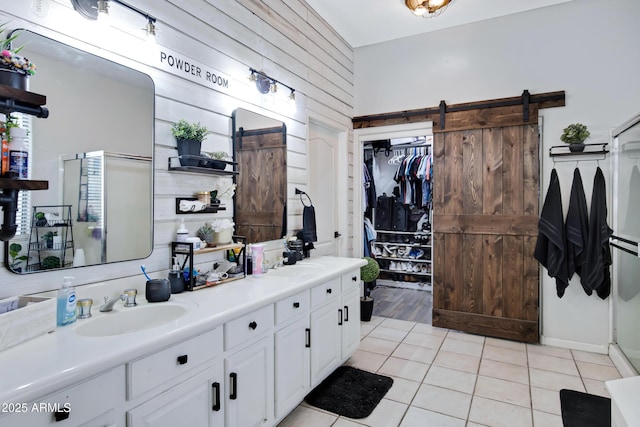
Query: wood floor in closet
{"points": [[403, 304]]}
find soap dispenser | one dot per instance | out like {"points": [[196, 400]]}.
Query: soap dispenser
{"points": [[66, 311], [183, 233], [175, 277]]}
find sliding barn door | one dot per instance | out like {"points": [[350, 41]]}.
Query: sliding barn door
{"points": [[485, 229]]}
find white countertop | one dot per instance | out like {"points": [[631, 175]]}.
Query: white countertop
{"points": [[624, 395], [57, 360]]}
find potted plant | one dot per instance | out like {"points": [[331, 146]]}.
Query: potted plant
{"points": [[216, 160], [368, 273], [206, 233], [48, 238], [222, 231], [574, 135], [14, 69], [16, 258], [189, 137]]}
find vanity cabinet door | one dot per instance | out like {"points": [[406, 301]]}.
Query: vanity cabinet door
{"points": [[292, 362], [350, 322], [249, 381], [93, 403], [326, 341], [194, 402]]}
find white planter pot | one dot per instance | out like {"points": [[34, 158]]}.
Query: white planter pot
{"points": [[223, 237]]}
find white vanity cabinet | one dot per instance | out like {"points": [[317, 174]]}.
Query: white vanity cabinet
{"points": [[96, 402], [350, 313], [249, 370], [180, 385], [292, 352], [326, 341]]}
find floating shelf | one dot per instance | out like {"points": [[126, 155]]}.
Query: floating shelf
{"points": [[174, 165], [22, 101], [212, 208], [23, 184], [589, 149]]}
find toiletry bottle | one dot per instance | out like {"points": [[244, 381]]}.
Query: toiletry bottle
{"points": [[19, 153], [183, 233], [66, 313], [258, 258], [5, 149], [249, 260]]}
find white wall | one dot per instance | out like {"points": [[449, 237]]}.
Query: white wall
{"points": [[283, 38], [585, 47]]}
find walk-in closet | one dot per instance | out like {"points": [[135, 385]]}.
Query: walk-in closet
{"points": [[397, 179]]}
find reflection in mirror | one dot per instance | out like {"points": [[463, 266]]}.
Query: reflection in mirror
{"points": [[95, 149], [260, 148]]}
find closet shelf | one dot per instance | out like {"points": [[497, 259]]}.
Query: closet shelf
{"points": [[589, 149]]}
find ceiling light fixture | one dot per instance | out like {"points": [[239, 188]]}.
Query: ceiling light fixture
{"points": [[427, 8]]}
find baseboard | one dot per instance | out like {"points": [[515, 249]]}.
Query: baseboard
{"points": [[574, 345], [621, 362]]}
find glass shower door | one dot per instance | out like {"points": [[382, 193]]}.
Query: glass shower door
{"points": [[627, 228]]}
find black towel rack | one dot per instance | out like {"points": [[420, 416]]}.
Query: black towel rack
{"points": [[589, 149], [302, 193], [614, 239]]}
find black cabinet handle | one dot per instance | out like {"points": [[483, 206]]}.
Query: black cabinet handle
{"points": [[61, 415], [182, 360], [340, 321], [253, 325], [346, 313], [233, 383], [216, 396], [296, 305], [308, 338], [329, 290]]}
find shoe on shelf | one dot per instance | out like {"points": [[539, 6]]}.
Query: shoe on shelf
{"points": [[392, 265], [402, 251], [390, 251], [408, 267], [376, 250], [419, 253], [423, 268], [417, 268]]}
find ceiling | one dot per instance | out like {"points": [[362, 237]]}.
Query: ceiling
{"points": [[365, 22]]}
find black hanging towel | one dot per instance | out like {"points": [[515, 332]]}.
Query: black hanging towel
{"points": [[577, 228], [309, 224], [596, 275], [551, 247]]}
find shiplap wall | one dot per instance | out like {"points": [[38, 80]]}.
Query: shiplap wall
{"points": [[284, 38]]}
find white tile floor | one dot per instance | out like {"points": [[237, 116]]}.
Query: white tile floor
{"points": [[446, 378]]}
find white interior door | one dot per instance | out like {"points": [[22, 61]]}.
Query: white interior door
{"points": [[324, 189]]}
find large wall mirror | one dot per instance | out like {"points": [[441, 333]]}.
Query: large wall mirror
{"points": [[260, 148], [95, 149]]}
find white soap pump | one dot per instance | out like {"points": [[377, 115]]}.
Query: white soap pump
{"points": [[183, 233]]}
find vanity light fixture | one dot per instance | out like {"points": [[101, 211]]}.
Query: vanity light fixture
{"points": [[427, 8], [90, 9], [266, 84]]}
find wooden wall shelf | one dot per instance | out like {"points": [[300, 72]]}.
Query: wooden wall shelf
{"points": [[23, 184]]}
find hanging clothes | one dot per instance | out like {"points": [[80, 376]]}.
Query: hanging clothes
{"points": [[551, 247], [370, 236], [577, 228], [597, 276]]}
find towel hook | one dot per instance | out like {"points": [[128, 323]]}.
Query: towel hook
{"points": [[302, 193]]}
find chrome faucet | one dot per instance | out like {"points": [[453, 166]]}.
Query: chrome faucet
{"points": [[128, 296]]}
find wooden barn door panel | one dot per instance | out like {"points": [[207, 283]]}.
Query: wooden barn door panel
{"points": [[485, 223]]}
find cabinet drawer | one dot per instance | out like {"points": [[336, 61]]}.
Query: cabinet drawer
{"points": [[350, 281], [325, 292], [159, 368], [90, 403], [248, 327], [292, 307]]}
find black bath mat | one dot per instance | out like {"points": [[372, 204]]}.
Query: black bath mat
{"points": [[350, 392], [584, 410]]}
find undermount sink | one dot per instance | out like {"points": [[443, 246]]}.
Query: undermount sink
{"points": [[299, 269], [125, 320]]}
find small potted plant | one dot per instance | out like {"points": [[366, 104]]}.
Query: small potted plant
{"points": [[222, 231], [48, 238], [16, 258], [14, 69], [368, 273], [206, 233], [189, 137], [216, 160], [574, 135]]}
